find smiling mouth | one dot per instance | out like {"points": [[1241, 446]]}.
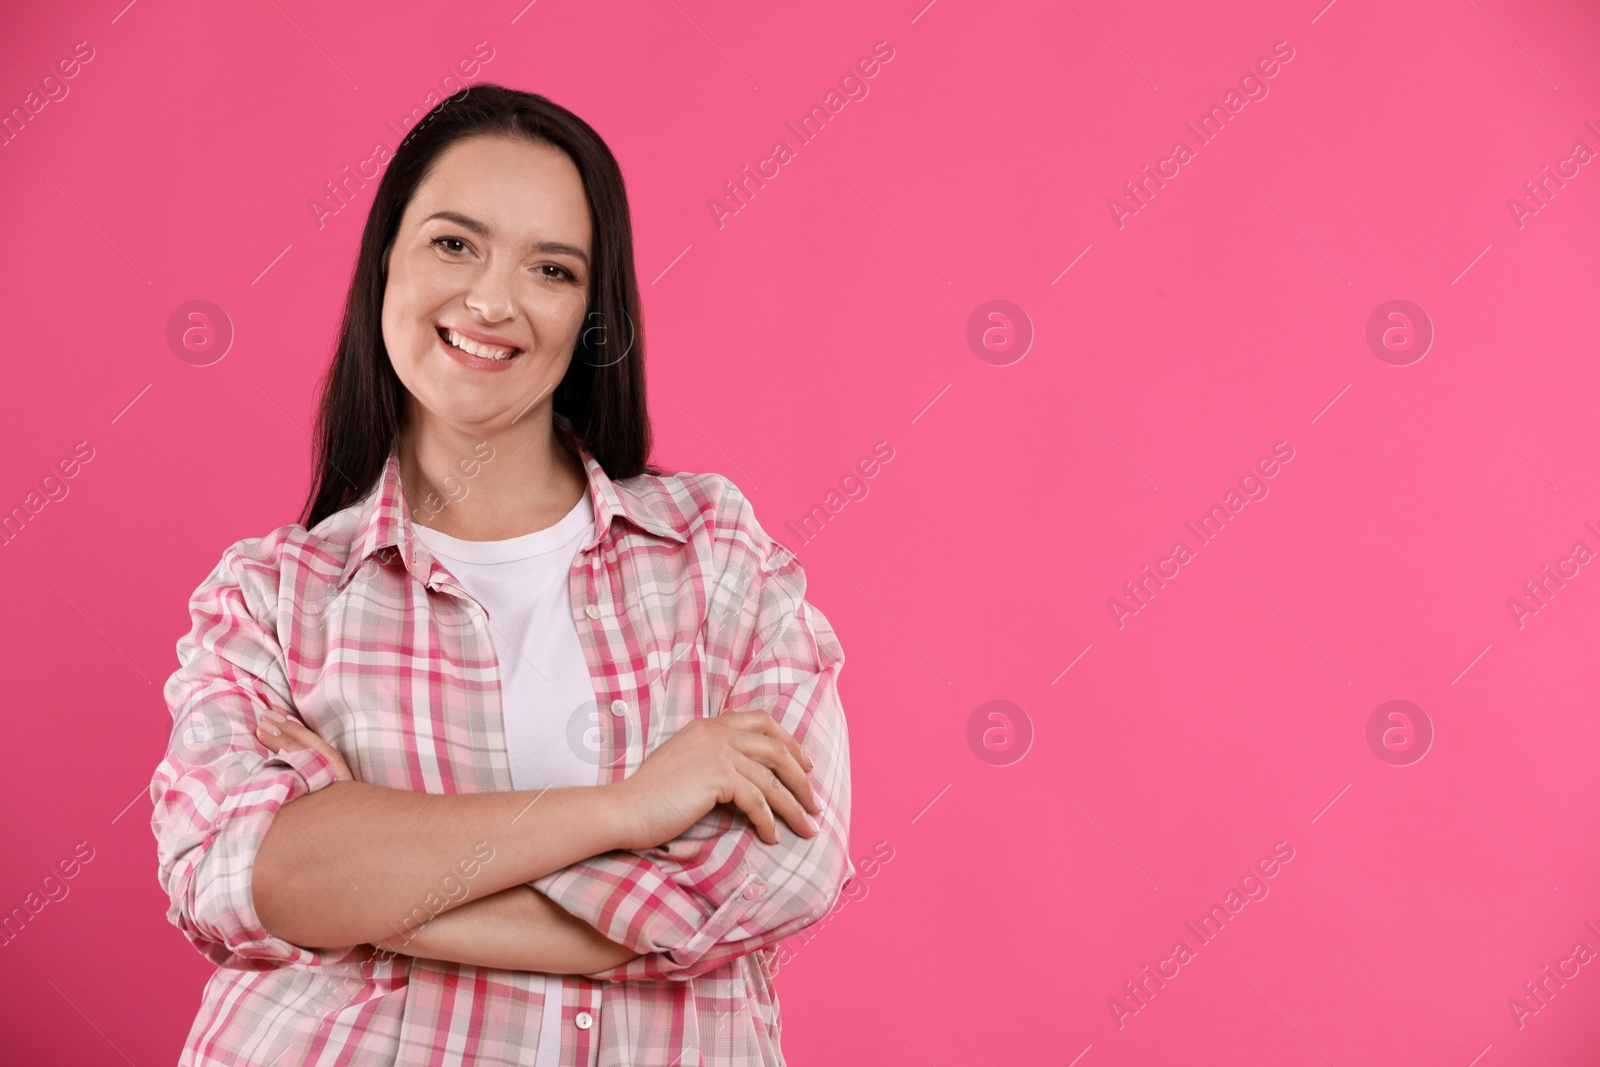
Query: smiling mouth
{"points": [[491, 353]]}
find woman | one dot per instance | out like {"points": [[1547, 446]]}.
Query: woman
{"points": [[516, 749]]}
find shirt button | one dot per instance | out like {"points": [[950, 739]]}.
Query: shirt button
{"points": [[584, 1020], [593, 611], [619, 707], [754, 891]]}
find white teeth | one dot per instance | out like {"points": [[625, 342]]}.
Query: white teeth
{"points": [[494, 352]]}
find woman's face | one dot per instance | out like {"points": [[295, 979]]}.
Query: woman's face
{"points": [[492, 256]]}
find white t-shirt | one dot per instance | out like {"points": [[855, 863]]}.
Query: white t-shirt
{"points": [[547, 695]]}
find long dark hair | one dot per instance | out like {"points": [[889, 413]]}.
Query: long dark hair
{"points": [[602, 396]]}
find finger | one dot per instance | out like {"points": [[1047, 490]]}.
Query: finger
{"points": [[290, 734], [296, 729], [778, 797], [305, 737], [284, 735], [780, 759], [748, 797], [274, 741], [772, 728], [761, 721]]}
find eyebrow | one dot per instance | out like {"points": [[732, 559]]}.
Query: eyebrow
{"points": [[466, 222]]}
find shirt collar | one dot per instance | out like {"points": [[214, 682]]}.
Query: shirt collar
{"points": [[384, 528]]}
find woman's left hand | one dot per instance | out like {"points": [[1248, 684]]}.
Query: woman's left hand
{"points": [[281, 734]]}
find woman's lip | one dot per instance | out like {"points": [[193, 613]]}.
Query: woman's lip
{"points": [[472, 362], [480, 338]]}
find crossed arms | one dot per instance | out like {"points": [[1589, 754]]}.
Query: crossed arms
{"points": [[563, 893]]}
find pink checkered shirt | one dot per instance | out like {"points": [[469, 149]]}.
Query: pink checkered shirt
{"points": [[685, 607]]}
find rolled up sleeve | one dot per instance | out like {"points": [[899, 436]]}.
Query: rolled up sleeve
{"points": [[717, 891], [218, 789]]}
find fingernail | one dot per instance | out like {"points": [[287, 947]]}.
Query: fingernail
{"points": [[267, 727], [813, 824], [272, 716]]}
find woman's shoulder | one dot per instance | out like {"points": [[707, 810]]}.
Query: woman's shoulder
{"points": [[717, 522], [697, 505], [288, 555]]}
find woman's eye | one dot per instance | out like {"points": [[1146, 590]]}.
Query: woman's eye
{"points": [[456, 240], [561, 272]]}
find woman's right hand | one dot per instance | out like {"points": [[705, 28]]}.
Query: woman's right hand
{"points": [[742, 758]]}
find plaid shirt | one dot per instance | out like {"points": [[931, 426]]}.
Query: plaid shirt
{"points": [[685, 607]]}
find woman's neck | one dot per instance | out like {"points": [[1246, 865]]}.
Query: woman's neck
{"points": [[489, 487]]}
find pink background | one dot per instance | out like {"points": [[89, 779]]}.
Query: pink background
{"points": [[830, 313]]}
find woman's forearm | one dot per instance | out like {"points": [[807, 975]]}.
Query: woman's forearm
{"points": [[517, 929], [354, 863]]}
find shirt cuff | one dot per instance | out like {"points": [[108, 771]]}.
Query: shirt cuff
{"points": [[632, 901], [312, 767], [215, 906]]}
